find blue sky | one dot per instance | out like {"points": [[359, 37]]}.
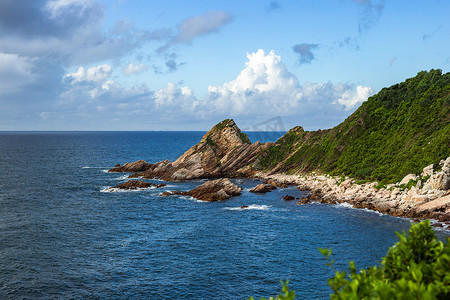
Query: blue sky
{"points": [[186, 65]]}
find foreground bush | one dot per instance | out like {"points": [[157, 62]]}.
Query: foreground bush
{"points": [[416, 267]]}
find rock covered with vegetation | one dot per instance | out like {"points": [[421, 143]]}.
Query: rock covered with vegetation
{"points": [[396, 132]]}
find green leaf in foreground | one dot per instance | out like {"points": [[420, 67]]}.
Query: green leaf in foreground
{"points": [[416, 267]]}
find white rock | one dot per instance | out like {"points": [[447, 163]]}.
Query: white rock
{"points": [[427, 171], [407, 178], [439, 181]]}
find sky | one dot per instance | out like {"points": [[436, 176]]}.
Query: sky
{"points": [[187, 65]]}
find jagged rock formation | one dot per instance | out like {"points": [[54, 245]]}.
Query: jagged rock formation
{"points": [[224, 151], [216, 190]]}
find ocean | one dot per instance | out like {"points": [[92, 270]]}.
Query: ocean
{"points": [[62, 235]]}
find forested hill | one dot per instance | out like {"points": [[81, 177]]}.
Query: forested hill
{"points": [[398, 131]]}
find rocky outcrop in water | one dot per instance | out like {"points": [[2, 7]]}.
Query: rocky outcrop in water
{"points": [[137, 166], [224, 151], [215, 190], [136, 184], [263, 188]]}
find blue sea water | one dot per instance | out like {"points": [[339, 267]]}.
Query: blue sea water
{"points": [[63, 236]]}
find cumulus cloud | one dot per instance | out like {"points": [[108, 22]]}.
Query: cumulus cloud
{"points": [[95, 74], [133, 69], [265, 86], [264, 82], [351, 98], [193, 27], [174, 96], [263, 89], [306, 52]]}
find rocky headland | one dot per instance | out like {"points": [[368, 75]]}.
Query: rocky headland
{"points": [[391, 155], [224, 151]]}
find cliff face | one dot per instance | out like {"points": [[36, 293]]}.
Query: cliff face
{"points": [[394, 133], [224, 151]]}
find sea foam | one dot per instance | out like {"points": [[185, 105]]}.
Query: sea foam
{"points": [[249, 207]]}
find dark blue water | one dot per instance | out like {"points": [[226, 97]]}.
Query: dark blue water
{"points": [[62, 237]]}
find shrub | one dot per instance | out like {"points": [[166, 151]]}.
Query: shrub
{"points": [[416, 267]]}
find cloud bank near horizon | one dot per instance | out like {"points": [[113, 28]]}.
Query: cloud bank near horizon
{"points": [[264, 88]]}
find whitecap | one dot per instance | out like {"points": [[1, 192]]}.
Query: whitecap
{"points": [[123, 177], [348, 205], [117, 190], [249, 207], [191, 199], [88, 167]]}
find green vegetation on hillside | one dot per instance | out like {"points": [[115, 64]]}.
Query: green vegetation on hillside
{"points": [[398, 131]]}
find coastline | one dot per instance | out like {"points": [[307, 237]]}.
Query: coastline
{"points": [[414, 203]]}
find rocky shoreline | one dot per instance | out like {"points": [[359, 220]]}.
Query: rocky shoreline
{"points": [[225, 152], [429, 200]]}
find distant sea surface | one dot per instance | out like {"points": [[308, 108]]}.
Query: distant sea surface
{"points": [[63, 236]]}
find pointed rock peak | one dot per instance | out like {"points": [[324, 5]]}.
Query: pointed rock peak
{"points": [[226, 135], [297, 129]]}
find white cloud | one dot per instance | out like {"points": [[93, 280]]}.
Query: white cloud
{"points": [[263, 89], [132, 69], [264, 83], [265, 86], [350, 98], [58, 7], [172, 96], [15, 71], [96, 74]]}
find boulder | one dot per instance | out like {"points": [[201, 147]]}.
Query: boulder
{"points": [[137, 166], [216, 190], [288, 198], [263, 188], [407, 178], [446, 166], [427, 171], [440, 204], [439, 181]]}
